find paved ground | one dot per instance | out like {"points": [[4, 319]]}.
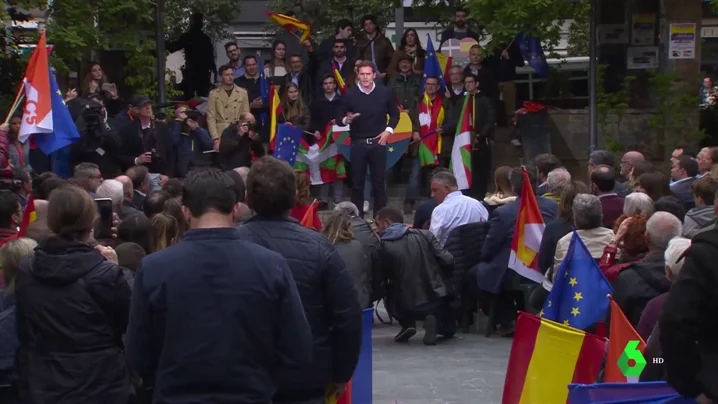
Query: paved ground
{"points": [[466, 369]]}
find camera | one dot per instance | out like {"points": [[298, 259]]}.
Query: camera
{"points": [[251, 126]]}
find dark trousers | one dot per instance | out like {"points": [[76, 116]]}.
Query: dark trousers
{"points": [[480, 170], [373, 156], [407, 317]]}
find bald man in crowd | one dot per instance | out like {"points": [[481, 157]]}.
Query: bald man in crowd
{"points": [[128, 208], [628, 161]]}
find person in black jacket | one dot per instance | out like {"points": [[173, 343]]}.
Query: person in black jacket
{"points": [[325, 285], [460, 30], [483, 117], [416, 267], [688, 326], [323, 110], [238, 142], [72, 305]]}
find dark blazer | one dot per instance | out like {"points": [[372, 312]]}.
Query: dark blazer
{"points": [[493, 271], [683, 190], [138, 200], [555, 229], [622, 189], [612, 206], [128, 209]]}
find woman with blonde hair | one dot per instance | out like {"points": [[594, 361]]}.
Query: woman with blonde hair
{"points": [[504, 193], [10, 255], [68, 279], [166, 231], [338, 230], [301, 201]]}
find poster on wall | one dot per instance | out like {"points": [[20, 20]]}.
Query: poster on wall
{"points": [[642, 57], [643, 29], [682, 41]]}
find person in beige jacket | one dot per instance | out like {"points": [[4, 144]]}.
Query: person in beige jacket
{"points": [[226, 104], [587, 219]]}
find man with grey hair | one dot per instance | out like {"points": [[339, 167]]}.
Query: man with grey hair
{"points": [[128, 207], [588, 220], [111, 189], [556, 181], [605, 157], [454, 209], [642, 281], [638, 203]]}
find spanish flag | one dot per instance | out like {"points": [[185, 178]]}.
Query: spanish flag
{"points": [[341, 85], [445, 63], [527, 234], [308, 218], [275, 109], [291, 23], [29, 216], [624, 345], [547, 356]]}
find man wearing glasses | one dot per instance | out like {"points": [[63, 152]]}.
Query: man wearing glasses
{"points": [[235, 58]]}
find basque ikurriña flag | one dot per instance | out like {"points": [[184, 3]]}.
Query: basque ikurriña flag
{"points": [[322, 160], [527, 234], [461, 152]]}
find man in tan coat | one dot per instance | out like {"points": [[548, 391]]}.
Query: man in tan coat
{"points": [[226, 104]]}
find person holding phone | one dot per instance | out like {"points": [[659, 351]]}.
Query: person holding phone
{"points": [[238, 142], [96, 83]]}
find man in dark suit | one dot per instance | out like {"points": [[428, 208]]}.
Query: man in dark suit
{"points": [[603, 180], [301, 75], [492, 273], [683, 174]]}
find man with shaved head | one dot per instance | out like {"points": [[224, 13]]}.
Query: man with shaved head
{"points": [[128, 208], [628, 160]]}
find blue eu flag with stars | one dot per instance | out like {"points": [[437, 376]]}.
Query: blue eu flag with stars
{"points": [[287, 143], [532, 51], [64, 132], [432, 67], [579, 296]]}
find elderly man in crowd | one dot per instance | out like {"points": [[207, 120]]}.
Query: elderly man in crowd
{"points": [[698, 218], [556, 181], [454, 209], [128, 207], [111, 189], [603, 180], [643, 280], [628, 160], [606, 158], [706, 158]]}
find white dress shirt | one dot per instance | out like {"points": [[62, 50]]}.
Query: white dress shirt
{"points": [[456, 210]]}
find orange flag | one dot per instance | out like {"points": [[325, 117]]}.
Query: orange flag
{"points": [[527, 234], [28, 216], [624, 345], [308, 219], [292, 24]]}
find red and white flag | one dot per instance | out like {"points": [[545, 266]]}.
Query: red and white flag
{"points": [[527, 234], [37, 114]]}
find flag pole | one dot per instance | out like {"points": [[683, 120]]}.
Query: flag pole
{"points": [[18, 99]]}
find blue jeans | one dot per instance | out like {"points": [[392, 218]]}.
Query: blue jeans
{"points": [[414, 187]]}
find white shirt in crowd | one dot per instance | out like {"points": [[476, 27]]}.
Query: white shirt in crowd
{"points": [[456, 210]]}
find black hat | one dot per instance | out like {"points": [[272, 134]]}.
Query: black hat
{"points": [[139, 100]]}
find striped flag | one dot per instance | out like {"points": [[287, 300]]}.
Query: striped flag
{"points": [[341, 85], [431, 118], [275, 109], [29, 216], [547, 356], [292, 24], [309, 219], [37, 114], [445, 63], [322, 160], [527, 234], [461, 152], [624, 344]]}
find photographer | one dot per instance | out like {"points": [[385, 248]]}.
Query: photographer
{"points": [[98, 143], [147, 142], [238, 142], [190, 140]]}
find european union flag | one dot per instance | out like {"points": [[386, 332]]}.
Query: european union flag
{"points": [[432, 67], [532, 51], [64, 130], [578, 297], [637, 393], [287, 143]]}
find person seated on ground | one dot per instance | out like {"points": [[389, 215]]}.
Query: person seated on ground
{"points": [[338, 230], [603, 181], [587, 220], [674, 264], [671, 205], [545, 163], [556, 181], [683, 175], [491, 276], [301, 203], [416, 267], [654, 184], [503, 194], [454, 209], [560, 226], [641, 281], [704, 192], [327, 290]]}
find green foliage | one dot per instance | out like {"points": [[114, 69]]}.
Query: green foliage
{"points": [[612, 104], [505, 18], [578, 35], [676, 115], [323, 15]]}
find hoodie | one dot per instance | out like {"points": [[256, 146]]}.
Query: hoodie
{"points": [[394, 232], [696, 219]]}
